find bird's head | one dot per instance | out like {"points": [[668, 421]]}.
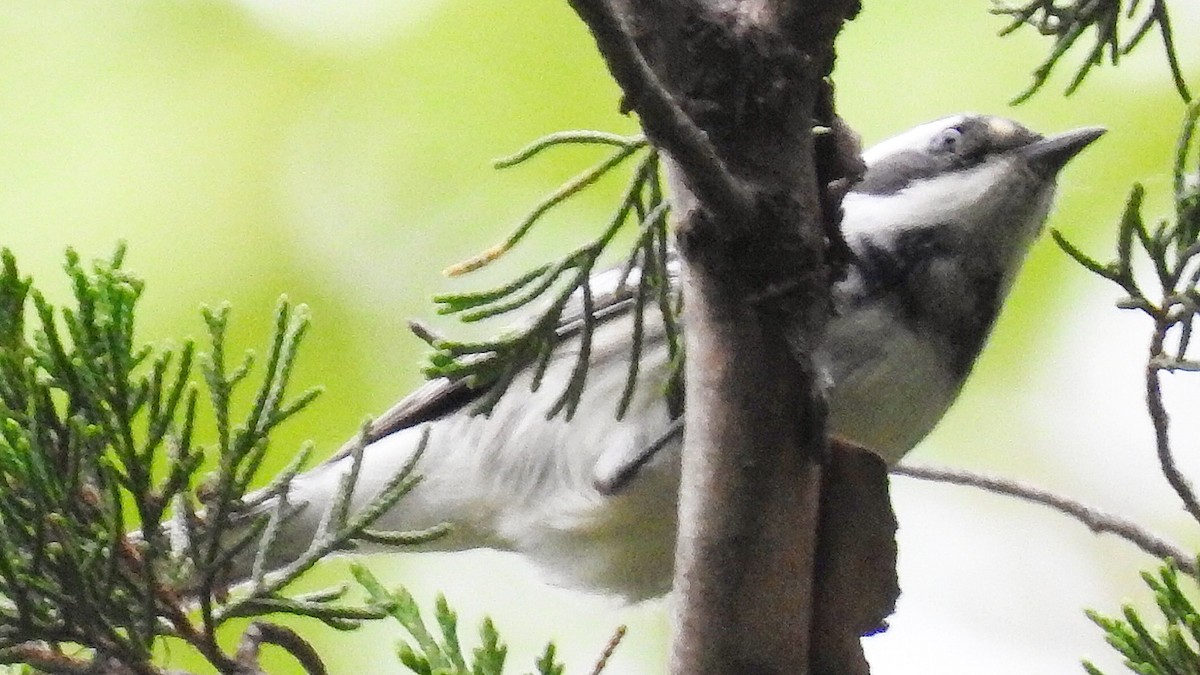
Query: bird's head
{"points": [[985, 182]]}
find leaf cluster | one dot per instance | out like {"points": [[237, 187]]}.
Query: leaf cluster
{"points": [[429, 654], [1173, 650], [1069, 20], [109, 531], [80, 436], [1172, 298], [570, 307]]}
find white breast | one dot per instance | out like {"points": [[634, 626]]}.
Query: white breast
{"points": [[890, 386]]}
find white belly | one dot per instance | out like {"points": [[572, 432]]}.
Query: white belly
{"points": [[890, 386]]}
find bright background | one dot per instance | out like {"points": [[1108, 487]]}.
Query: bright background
{"points": [[338, 151]]}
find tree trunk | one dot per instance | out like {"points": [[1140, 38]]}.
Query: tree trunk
{"points": [[730, 93]]}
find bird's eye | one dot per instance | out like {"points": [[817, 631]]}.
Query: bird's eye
{"points": [[949, 140]]}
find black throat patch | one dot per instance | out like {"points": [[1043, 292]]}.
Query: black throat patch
{"points": [[931, 284]]}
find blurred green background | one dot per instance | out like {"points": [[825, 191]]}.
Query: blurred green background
{"points": [[339, 152]]}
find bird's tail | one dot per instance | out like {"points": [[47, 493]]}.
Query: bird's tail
{"points": [[381, 484]]}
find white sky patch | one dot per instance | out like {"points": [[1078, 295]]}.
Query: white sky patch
{"points": [[993, 586]]}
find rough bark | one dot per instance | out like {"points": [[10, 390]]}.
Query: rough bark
{"points": [[730, 92]]}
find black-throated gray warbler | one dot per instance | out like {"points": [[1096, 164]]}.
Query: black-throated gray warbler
{"points": [[938, 228]]}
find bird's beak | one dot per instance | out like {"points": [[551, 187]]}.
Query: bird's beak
{"points": [[1047, 156]]}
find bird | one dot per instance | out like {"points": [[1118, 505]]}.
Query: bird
{"points": [[938, 228]]}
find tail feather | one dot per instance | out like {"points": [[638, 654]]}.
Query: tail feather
{"points": [[305, 509], [521, 479]]}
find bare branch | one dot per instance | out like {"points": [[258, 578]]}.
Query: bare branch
{"points": [[44, 659], [667, 125], [609, 649], [1096, 520], [1161, 421], [261, 632]]}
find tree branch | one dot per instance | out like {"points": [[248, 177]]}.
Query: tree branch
{"points": [[44, 659], [666, 124], [1159, 418], [261, 632], [730, 92], [1096, 520], [609, 649]]}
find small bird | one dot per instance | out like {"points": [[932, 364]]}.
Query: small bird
{"points": [[938, 228]]}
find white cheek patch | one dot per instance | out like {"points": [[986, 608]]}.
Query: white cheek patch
{"points": [[951, 198]]}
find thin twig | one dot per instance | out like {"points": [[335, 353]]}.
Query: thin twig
{"points": [[1096, 520], [1159, 418], [44, 659], [667, 125], [561, 137], [562, 194], [611, 647], [261, 632], [1164, 29]]}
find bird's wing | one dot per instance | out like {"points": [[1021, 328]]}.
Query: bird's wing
{"points": [[613, 294]]}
